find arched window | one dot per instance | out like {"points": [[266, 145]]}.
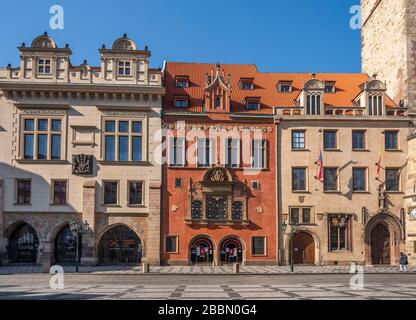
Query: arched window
{"points": [[313, 104], [375, 105]]}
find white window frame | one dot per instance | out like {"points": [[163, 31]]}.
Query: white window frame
{"points": [[176, 148]]}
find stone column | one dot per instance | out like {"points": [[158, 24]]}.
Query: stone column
{"points": [[3, 241], [153, 225], [89, 252]]}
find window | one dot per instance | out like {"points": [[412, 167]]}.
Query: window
{"points": [[176, 152], [329, 88], [252, 104], [300, 216], [171, 244], [375, 105], [391, 139], [258, 151], [255, 185], [392, 180], [23, 191], [232, 153], [59, 192], [181, 82], [217, 207], [42, 139], [246, 84], [110, 192], [181, 103], [358, 140], [339, 232], [299, 179], [298, 140], [123, 140], [124, 68], [359, 178], [135, 193], [44, 66], [178, 183], [206, 152], [285, 87], [313, 104], [258, 246], [330, 140], [330, 179]]}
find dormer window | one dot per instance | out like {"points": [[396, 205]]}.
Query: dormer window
{"points": [[44, 66], [313, 104], [246, 84], [124, 68], [285, 86], [252, 104], [375, 105], [181, 102], [329, 87], [182, 82]]}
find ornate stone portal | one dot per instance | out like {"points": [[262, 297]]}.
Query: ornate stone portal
{"points": [[217, 199]]}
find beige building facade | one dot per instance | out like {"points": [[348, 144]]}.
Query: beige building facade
{"points": [[78, 142]]}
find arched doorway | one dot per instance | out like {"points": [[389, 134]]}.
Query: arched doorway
{"points": [[66, 247], [303, 249], [120, 245], [202, 251], [23, 245], [380, 245], [231, 251]]}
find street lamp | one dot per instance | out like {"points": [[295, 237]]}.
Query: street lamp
{"points": [[292, 233], [77, 228]]}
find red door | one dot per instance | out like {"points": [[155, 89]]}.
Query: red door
{"points": [[303, 249]]}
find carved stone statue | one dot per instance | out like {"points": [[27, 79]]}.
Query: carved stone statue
{"points": [[82, 164], [382, 199], [217, 175]]}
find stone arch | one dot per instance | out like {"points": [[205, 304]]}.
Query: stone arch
{"points": [[314, 84], [239, 239], [316, 239], [218, 174], [44, 41], [124, 43], [25, 248], [395, 229], [206, 237]]}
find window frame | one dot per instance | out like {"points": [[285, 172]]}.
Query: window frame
{"points": [[366, 180], [179, 79], [264, 254], [305, 170], [122, 66], [176, 251], [212, 152], [142, 204], [44, 65], [117, 204], [245, 81], [399, 179], [16, 200], [282, 84], [348, 234], [228, 153], [293, 140], [53, 181], [252, 101], [301, 215], [354, 131], [334, 131], [173, 146], [397, 147], [337, 181], [265, 153]]}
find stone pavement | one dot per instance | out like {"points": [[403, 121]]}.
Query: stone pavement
{"points": [[15, 269], [212, 292]]}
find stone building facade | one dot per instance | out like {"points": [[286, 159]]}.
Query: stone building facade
{"points": [[388, 49], [78, 142]]}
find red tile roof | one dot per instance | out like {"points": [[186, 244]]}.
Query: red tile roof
{"points": [[347, 87]]}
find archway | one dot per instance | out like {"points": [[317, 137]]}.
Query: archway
{"points": [[65, 249], [23, 245], [380, 245], [303, 249], [231, 251], [120, 245], [201, 251]]}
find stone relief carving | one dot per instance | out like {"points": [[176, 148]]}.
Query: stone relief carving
{"points": [[82, 164]]}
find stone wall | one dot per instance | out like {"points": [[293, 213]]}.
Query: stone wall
{"points": [[153, 227]]}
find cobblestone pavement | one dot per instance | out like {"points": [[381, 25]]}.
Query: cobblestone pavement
{"points": [[206, 270], [212, 292]]}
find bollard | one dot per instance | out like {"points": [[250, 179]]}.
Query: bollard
{"points": [[236, 268], [145, 267], [46, 266]]}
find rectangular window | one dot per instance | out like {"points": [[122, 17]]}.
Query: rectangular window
{"points": [[300, 216], [359, 179], [181, 103], [23, 191], [246, 84], [171, 244], [358, 140], [330, 140], [285, 88], [393, 180], [59, 192], [206, 152], [259, 152], [123, 140], [329, 88], [181, 82], [391, 138], [232, 153], [177, 152], [136, 193], [46, 133], [110, 192], [299, 179], [313, 104], [178, 183], [252, 104], [294, 216], [339, 232], [330, 179], [258, 246], [44, 66], [298, 140], [124, 68]]}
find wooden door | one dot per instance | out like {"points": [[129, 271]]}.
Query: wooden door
{"points": [[380, 245], [303, 249]]}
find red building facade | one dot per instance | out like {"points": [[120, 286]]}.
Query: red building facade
{"points": [[219, 178]]}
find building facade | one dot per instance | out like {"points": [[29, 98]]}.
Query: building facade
{"points": [[78, 142]]}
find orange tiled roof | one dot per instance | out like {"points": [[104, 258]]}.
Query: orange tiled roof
{"points": [[347, 87]]}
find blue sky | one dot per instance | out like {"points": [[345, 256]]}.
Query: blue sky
{"points": [[277, 35]]}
